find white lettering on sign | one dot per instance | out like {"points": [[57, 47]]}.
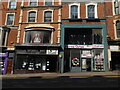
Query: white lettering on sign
{"points": [[84, 46], [55, 52]]}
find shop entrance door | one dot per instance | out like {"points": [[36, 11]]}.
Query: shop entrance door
{"points": [[75, 60], [86, 64]]}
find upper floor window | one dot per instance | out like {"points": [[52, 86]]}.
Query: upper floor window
{"points": [[12, 4], [118, 29], [74, 11], [48, 16], [116, 6], [3, 36], [33, 2], [48, 2], [10, 19], [91, 11], [38, 36], [31, 16]]}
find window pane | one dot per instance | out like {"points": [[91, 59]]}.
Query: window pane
{"points": [[48, 16], [74, 11], [38, 36], [12, 4], [91, 11], [118, 28], [10, 19], [31, 17], [48, 2], [33, 2]]}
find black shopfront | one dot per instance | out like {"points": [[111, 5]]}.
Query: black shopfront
{"points": [[36, 59]]}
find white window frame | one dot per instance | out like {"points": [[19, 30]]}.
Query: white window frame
{"points": [[96, 13], [114, 7], [33, 5], [76, 4], [7, 17], [28, 16], [115, 30], [9, 4], [44, 15], [52, 2]]}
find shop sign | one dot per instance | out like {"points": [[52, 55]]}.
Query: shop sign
{"points": [[86, 55], [85, 46], [114, 47], [53, 52], [10, 48], [3, 55]]}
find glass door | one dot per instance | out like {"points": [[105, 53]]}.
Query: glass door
{"points": [[75, 60], [86, 64]]}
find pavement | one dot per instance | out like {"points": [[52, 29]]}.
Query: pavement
{"points": [[69, 74]]}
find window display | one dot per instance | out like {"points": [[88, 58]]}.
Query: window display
{"points": [[98, 60], [38, 36]]}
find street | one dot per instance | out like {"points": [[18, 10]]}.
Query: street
{"points": [[62, 82]]}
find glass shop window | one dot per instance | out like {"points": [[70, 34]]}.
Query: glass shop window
{"points": [[98, 60], [78, 36], [97, 36], [38, 36]]}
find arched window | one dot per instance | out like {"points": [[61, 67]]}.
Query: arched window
{"points": [[74, 11], [31, 16], [91, 11], [48, 16], [118, 29], [12, 4], [116, 6], [33, 2], [48, 2]]}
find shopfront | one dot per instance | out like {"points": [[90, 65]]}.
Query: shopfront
{"points": [[36, 59], [3, 62], [84, 58], [84, 48]]}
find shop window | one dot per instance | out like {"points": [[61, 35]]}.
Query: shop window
{"points": [[48, 16], [116, 7], [48, 2], [37, 36], [98, 59], [10, 19], [33, 2], [78, 36], [118, 29], [97, 36], [12, 4], [27, 62], [74, 11], [32, 16], [83, 36]]}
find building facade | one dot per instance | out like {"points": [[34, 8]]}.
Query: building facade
{"points": [[38, 39], [114, 35], [83, 37], [59, 36], [9, 24]]}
